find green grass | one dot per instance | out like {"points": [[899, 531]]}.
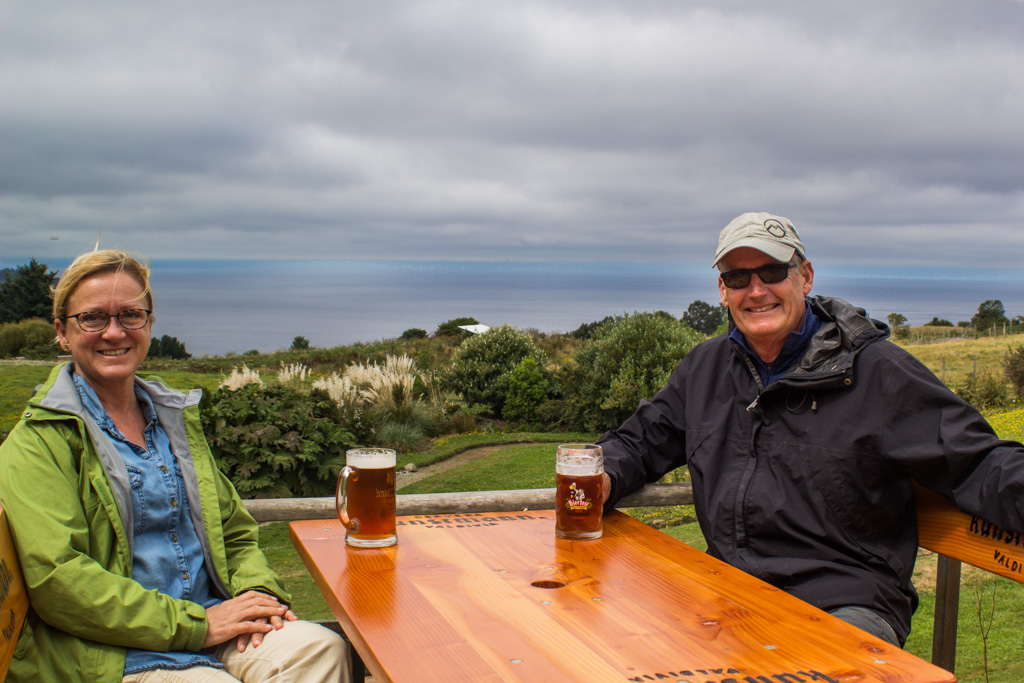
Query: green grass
{"points": [[307, 601], [447, 446], [19, 381], [527, 466], [183, 380]]}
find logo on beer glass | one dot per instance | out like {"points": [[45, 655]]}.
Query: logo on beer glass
{"points": [[578, 476], [365, 498]]}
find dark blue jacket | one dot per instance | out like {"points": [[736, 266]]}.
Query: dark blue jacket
{"points": [[806, 483]]}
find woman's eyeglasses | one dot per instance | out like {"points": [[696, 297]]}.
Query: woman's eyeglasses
{"points": [[768, 274], [95, 321]]}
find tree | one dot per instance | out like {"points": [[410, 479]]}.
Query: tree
{"points": [[26, 293], [300, 343], [938, 322], [168, 347], [989, 313], [703, 317], [898, 323]]}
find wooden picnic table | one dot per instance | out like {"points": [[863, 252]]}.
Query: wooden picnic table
{"points": [[496, 597]]}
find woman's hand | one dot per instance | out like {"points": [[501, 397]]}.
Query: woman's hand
{"points": [[245, 617]]}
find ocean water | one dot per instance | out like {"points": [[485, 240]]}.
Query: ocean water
{"points": [[217, 306]]}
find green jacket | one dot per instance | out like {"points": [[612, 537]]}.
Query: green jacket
{"points": [[66, 493]]}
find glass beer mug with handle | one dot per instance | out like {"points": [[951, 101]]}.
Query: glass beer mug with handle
{"points": [[578, 474], [365, 498]]}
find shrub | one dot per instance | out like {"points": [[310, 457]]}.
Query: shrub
{"points": [[1014, 367], [483, 364], [983, 391], [386, 390], [628, 360], [587, 330], [401, 437], [345, 395], [450, 328], [32, 337], [374, 396], [414, 333], [276, 442], [293, 374], [239, 378], [527, 390], [300, 343]]}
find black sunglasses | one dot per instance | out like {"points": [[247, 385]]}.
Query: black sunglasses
{"points": [[768, 274]]}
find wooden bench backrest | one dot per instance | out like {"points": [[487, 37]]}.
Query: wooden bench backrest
{"points": [[13, 598], [943, 528]]}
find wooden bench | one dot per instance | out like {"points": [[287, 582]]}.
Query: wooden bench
{"points": [[957, 537], [13, 598]]}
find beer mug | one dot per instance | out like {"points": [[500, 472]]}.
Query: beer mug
{"points": [[579, 469], [365, 498]]}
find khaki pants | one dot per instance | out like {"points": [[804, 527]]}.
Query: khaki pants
{"points": [[301, 651]]}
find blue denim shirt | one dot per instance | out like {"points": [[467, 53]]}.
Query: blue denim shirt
{"points": [[166, 554], [792, 350]]}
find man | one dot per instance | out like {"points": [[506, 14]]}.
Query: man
{"points": [[802, 429]]}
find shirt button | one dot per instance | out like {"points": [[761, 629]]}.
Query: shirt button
{"points": [[174, 537], [174, 502], [163, 468], [185, 575]]}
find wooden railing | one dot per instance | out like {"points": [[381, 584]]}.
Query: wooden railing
{"points": [[954, 535]]}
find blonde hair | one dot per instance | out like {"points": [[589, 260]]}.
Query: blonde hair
{"points": [[99, 263]]}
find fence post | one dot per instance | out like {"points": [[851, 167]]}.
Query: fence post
{"points": [[947, 609]]}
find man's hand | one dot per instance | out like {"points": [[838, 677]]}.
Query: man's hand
{"points": [[606, 487], [245, 617]]}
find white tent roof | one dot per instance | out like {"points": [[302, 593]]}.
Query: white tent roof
{"points": [[475, 329]]}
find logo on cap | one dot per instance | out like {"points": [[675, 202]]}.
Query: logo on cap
{"points": [[775, 228]]}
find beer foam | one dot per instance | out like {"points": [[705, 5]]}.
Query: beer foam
{"points": [[371, 458], [589, 470]]}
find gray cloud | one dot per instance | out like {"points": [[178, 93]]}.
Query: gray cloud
{"points": [[590, 130]]}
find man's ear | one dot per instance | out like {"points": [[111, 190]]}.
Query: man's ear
{"points": [[807, 271]]}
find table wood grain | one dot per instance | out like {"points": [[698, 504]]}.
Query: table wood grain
{"points": [[496, 597]]}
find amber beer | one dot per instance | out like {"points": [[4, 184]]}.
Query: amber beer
{"points": [[365, 498], [579, 469]]}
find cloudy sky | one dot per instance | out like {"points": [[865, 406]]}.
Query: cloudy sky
{"points": [[889, 131]]}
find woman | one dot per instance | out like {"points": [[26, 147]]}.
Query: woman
{"points": [[140, 559]]}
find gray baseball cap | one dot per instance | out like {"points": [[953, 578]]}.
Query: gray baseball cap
{"points": [[773, 235]]}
